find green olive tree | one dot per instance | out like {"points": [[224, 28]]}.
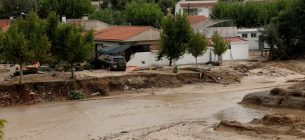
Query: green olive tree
{"points": [[220, 46], [198, 45], [26, 41], [73, 47]]}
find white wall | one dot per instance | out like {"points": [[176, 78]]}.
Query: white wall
{"points": [[239, 52], [203, 11], [253, 41]]}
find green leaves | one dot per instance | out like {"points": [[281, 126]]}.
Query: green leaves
{"points": [[109, 16], [249, 14], [25, 40], [70, 8], [175, 37], [1, 126], [143, 13], [198, 44], [219, 44], [71, 45]]}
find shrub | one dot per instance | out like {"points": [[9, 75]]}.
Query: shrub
{"points": [[77, 95], [175, 70], [1, 126]]}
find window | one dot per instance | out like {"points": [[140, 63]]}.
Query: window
{"points": [[244, 35], [253, 35], [192, 11]]}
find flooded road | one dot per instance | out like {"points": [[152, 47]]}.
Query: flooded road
{"points": [[82, 120]]}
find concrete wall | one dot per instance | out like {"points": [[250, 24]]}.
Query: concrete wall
{"points": [[253, 41], [239, 52], [150, 34], [223, 31]]}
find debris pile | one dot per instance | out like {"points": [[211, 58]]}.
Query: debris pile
{"points": [[268, 71]]}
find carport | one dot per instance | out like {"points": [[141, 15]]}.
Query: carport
{"points": [[129, 49]]}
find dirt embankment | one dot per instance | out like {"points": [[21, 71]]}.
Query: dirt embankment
{"points": [[31, 93], [293, 97], [267, 127]]}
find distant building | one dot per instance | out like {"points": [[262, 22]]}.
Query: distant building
{"points": [[252, 36], [195, 7]]}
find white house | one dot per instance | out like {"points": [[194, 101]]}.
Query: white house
{"points": [[195, 7], [252, 36]]}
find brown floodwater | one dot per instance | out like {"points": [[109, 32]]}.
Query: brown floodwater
{"points": [[81, 120]]}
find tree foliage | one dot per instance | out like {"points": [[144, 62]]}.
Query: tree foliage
{"points": [[69, 8], [26, 41], [198, 45], [112, 17], [250, 13], [1, 126], [115, 4], [287, 32], [164, 4], [15, 7], [270, 35], [139, 12], [220, 46], [51, 27], [73, 47], [176, 34]]}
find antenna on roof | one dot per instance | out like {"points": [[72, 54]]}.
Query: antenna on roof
{"points": [[157, 25]]}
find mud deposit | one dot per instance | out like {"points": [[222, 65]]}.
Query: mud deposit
{"points": [[273, 125], [31, 93], [293, 97]]}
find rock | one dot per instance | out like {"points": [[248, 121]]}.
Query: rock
{"points": [[265, 99], [277, 91]]}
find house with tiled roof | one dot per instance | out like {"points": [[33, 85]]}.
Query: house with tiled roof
{"points": [[195, 7], [122, 35]]}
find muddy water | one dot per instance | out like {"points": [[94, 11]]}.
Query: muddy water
{"points": [[97, 118]]}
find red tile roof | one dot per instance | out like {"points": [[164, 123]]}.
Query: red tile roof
{"points": [[196, 19], [5, 28], [119, 32], [232, 39], [5, 22], [197, 4]]}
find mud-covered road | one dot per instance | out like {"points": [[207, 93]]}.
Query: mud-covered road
{"points": [[93, 119]]}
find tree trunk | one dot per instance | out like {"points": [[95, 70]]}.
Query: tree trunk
{"points": [[170, 62], [72, 71], [21, 73], [196, 63], [220, 61], [270, 53]]}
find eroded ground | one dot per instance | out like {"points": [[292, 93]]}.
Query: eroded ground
{"points": [[186, 112], [200, 106]]}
